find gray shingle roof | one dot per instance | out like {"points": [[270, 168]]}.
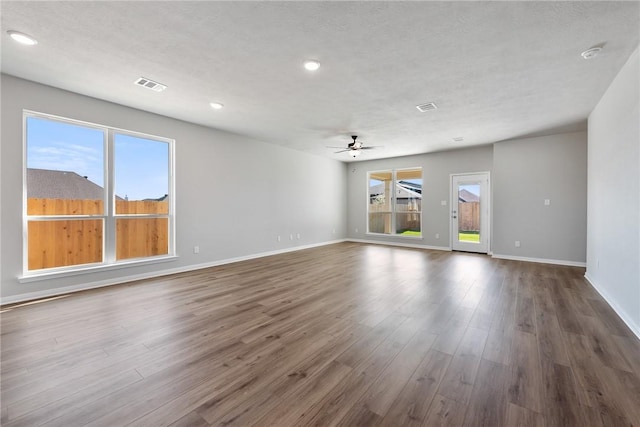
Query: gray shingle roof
{"points": [[52, 184], [467, 196]]}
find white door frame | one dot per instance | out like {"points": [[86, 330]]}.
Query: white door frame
{"points": [[485, 212]]}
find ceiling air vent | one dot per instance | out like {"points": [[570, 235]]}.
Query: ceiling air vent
{"points": [[423, 108], [150, 84]]}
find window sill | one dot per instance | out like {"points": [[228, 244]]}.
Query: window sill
{"points": [[398, 236], [46, 275]]}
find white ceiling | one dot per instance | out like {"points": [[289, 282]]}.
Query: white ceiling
{"points": [[496, 70]]}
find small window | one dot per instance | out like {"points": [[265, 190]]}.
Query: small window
{"points": [[83, 209], [395, 202]]}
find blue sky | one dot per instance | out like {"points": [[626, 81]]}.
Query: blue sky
{"points": [[141, 165]]}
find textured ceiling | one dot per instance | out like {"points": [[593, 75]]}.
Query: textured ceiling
{"points": [[496, 70]]}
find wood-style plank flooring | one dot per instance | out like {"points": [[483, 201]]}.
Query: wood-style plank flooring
{"points": [[347, 334]]}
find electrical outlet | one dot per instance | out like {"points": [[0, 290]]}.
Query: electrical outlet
{"points": [[290, 236], [437, 235], [334, 231], [196, 249], [298, 236], [356, 230], [517, 243], [279, 238], [547, 202], [443, 202]]}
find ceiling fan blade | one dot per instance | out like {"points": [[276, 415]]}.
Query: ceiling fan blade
{"points": [[341, 151], [328, 146], [370, 147]]}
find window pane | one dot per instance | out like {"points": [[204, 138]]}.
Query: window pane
{"points": [[62, 243], [380, 223], [141, 175], [65, 168], [380, 194], [469, 213], [141, 237], [408, 193]]}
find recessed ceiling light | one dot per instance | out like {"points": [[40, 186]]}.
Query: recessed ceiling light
{"points": [[591, 53], [22, 38], [311, 64], [216, 105]]}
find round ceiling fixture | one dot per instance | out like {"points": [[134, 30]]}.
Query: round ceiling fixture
{"points": [[311, 65], [591, 53], [354, 153], [216, 105], [22, 38]]}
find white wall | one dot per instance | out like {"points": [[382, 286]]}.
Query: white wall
{"points": [[528, 171], [613, 238], [436, 170], [234, 195]]}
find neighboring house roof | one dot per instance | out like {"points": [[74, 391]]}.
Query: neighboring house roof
{"points": [[467, 196], [403, 191], [159, 199], [52, 184], [411, 186]]}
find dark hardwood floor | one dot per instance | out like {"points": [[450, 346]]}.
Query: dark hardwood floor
{"points": [[347, 334]]}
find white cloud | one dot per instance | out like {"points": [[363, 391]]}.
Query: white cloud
{"points": [[57, 155]]}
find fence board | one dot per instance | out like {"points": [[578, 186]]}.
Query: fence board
{"points": [[141, 207], [36, 206], [469, 216], [141, 237], [63, 243]]}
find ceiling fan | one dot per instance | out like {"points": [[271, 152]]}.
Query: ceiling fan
{"points": [[354, 147]]}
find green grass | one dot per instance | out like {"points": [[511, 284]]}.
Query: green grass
{"points": [[469, 236], [465, 236]]}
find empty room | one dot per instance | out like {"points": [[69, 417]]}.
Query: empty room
{"points": [[320, 213]]}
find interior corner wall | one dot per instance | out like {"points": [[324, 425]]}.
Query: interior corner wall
{"points": [[436, 170], [613, 238], [527, 172], [234, 195]]}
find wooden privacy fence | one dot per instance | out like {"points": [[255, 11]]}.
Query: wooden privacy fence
{"points": [[37, 206], [468, 216], [407, 218], [408, 214], [63, 242]]}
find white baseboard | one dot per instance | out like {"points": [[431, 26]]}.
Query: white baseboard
{"points": [[403, 245], [124, 279], [619, 311], [541, 260]]}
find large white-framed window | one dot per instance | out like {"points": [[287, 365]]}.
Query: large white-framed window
{"points": [[94, 195], [394, 202]]}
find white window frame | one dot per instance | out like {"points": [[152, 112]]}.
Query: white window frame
{"points": [[108, 216], [393, 203]]}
